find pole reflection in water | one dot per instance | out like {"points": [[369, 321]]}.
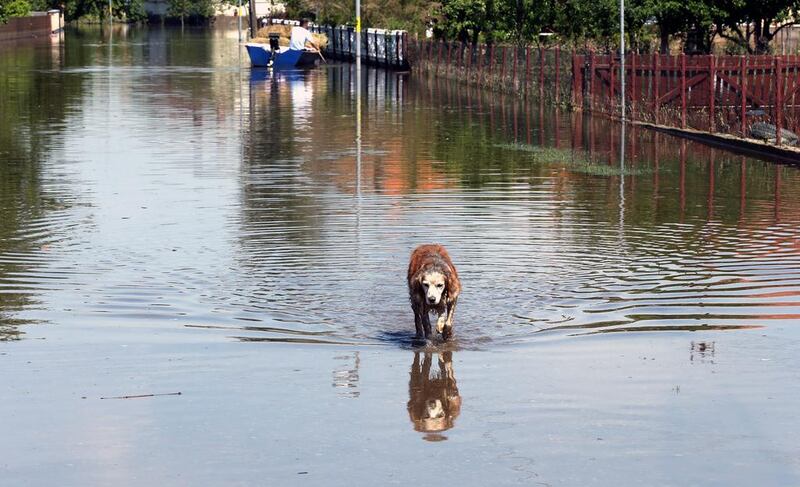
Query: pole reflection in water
{"points": [[358, 126], [358, 153], [622, 179], [433, 400]]}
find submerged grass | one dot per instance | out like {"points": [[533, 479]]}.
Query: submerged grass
{"points": [[577, 161]]}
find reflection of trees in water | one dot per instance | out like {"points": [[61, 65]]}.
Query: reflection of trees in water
{"points": [[426, 135], [275, 188], [484, 138], [36, 104], [433, 402]]}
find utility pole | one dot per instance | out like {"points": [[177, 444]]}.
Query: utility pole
{"points": [[253, 19]]}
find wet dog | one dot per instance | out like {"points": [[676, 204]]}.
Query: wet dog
{"points": [[433, 286]]}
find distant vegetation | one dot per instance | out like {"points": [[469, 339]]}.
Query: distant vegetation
{"points": [[92, 10], [13, 8], [122, 10], [748, 25]]}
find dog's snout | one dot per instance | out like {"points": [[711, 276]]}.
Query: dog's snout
{"points": [[431, 300]]}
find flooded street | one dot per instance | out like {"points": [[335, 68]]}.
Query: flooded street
{"points": [[171, 222]]}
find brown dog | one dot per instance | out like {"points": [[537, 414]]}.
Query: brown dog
{"points": [[433, 285]]}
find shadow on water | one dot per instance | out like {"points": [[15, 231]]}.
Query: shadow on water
{"points": [[434, 403]]}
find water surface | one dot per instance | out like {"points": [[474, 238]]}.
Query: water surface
{"points": [[171, 220]]}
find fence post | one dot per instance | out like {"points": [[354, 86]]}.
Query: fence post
{"points": [[778, 97], [514, 70], [558, 77], [612, 75], [430, 52], [683, 91], [633, 85], [591, 79], [712, 88], [399, 48], [491, 63], [447, 64], [405, 50], [386, 57], [793, 77], [656, 79], [577, 84], [541, 73], [527, 68], [503, 69], [743, 86], [469, 61], [439, 57], [478, 58]]}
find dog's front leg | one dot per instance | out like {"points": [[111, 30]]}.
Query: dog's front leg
{"points": [[418, 323], [448, 326], [440, 322], [426, 323]]}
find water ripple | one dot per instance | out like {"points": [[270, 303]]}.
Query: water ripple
{"points": [[244, 218]]}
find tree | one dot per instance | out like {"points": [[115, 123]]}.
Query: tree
{"points": [[13, 8], [183, 9], [753, 24], [464, 19], [128, 10], [523, 20], [696, 20]]}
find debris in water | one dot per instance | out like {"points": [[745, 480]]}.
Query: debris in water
{"points": [[144, 395]]}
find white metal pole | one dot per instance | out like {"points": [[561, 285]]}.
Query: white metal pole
{"points": [[239, 18], [358, 34], [622, 54], [358, 98]]}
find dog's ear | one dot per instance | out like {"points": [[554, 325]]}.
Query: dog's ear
{"points": [[453, 286], [416, 280]]}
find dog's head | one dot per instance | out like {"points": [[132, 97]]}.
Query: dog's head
{"points": [[433, 284]]}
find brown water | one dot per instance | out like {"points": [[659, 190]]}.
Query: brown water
{"points": [[171, 222]]}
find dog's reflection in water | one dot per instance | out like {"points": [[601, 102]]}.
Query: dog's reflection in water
{"points": [[433, 403]]}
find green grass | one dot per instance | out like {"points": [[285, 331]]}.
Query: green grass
{"points": [[576, 161]]}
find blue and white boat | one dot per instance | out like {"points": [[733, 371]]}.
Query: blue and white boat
{"points": [[285, 58]]}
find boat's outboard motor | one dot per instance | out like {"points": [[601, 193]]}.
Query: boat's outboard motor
{"points": [[273, 46]]}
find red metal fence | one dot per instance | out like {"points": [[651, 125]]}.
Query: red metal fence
{"points": [[745, 96], [749, 96], [529, 70]]}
